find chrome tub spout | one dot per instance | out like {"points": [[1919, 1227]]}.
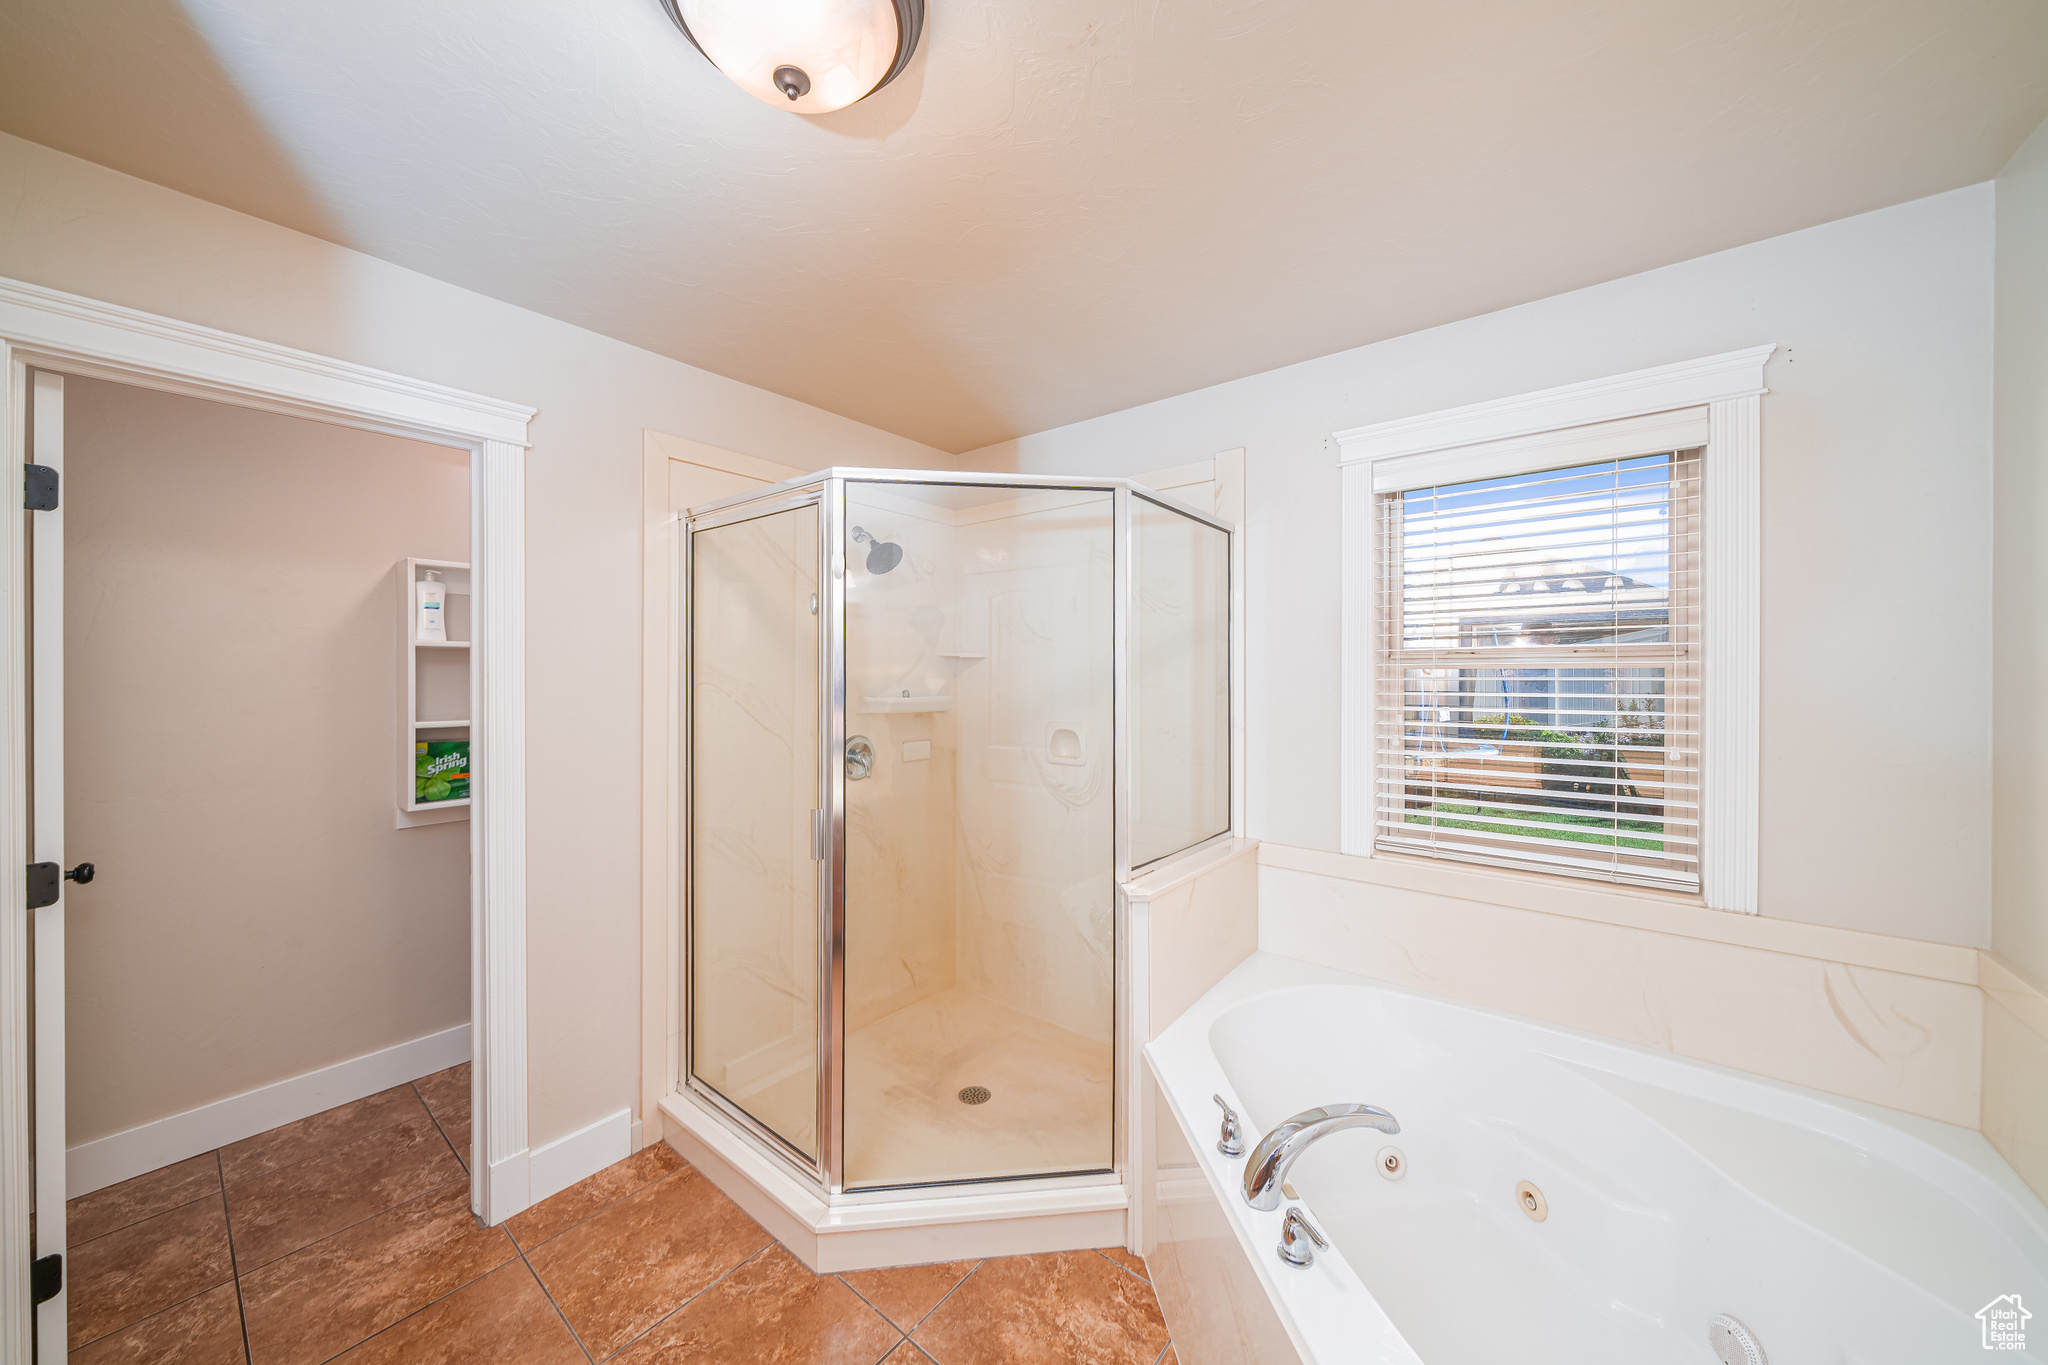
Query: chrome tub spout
{"points": [[1267, 1169]]}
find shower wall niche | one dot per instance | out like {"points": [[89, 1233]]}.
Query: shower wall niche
{"points": [[934, 721]]}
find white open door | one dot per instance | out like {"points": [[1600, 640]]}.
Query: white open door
{"points": [[44, 599]]}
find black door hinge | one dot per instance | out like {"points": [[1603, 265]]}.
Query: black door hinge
{"points": [[45, 880], [39, 488], [45, 1277]]}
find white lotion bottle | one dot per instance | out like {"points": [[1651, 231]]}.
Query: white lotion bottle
{"points": [[433, 597]]}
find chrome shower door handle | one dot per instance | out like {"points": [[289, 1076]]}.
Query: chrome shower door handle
{"points": [[860, 758]]}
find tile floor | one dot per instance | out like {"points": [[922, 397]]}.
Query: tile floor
{"points": [[347, 1237]]}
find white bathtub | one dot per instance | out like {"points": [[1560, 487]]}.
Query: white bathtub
{"points": [[1838, 1232]]}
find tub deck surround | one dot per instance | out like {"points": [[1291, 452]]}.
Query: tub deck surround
{"points": [[1893, 1022], [1675, 1190], [643, 1263], [1633, 908], [1188, 921], [2015, 1114]]}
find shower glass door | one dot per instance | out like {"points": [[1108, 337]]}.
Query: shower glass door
{"points": [[981, 840], [754, 783], [1179, 680]]}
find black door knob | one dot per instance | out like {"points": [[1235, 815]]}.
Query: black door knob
{"points": [[81, 874]]}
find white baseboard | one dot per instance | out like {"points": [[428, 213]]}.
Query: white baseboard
{"points": [[505, 1192], [559, 1164], [109, 1160]]}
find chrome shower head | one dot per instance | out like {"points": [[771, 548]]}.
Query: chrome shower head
{"points": [[883, 555]]}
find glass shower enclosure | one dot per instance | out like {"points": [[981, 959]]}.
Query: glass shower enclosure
{"points": [[934, 721]]}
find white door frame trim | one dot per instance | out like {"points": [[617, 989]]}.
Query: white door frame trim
{"points": [[1730, 388], [51, 329]]}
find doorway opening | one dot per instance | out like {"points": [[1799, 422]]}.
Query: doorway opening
{"points": [[268, 930]]}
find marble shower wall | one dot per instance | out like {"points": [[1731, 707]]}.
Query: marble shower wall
{"points": [[989, 863], [901, 829], [1036, 845]]}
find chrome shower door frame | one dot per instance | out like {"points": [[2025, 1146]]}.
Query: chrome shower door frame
{"points": [[832, 909], [777, 498], [827, 490]]}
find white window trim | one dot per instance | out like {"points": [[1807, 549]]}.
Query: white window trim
{"points": [[1548, 428]]}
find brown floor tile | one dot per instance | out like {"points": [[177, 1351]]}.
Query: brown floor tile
{"points": [[501, 1319], [1134, 1264], [131, 1201], [447, 1095], [1068, 1308], [771, 1311], [317, 1134], [203, 1330], [906, 1293], [327, 1297], [593, 1194], [447, 1092], [1170, 1358], [459, 1138], [145, 1267], [280, 1212], [615, 1274], [908, 1354]]}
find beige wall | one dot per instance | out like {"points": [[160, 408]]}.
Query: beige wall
{"points": [[1876, 521], [2015, 1008], [231, 632], [71, 225], [2019, 645]]}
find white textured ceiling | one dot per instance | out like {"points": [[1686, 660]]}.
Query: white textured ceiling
{"points": [[1064, 207]]}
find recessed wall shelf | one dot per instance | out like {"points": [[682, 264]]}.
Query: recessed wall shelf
{"points": [[894, 706], [433, 684], [950, 654]]}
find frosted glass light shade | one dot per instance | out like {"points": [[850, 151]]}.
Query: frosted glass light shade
{"points": [[844, 48]]}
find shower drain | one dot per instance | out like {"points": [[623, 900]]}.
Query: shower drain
{"points": [[975, 1094]]}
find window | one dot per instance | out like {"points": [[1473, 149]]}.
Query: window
{"points": [[1538, 691], [1582, 600]]}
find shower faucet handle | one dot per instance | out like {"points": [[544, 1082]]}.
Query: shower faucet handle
{"points": [[1232, 1141]]}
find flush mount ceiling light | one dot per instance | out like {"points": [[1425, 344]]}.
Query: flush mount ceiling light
{"points": [[812, 56]]}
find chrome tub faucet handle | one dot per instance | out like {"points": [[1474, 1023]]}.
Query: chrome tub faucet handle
{"points": [[1232, 1141], [1293, 1228]]}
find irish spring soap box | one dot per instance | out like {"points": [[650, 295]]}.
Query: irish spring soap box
{"points": [[441, 771]]}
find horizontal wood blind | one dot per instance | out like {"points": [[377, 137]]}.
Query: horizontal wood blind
{"points": [[1537, 697]]}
